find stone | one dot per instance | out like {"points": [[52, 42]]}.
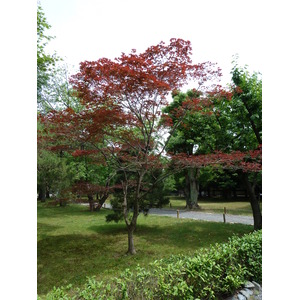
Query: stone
{"points": [[241, 297], [249, 285], [246, 292], [256, 286], [251, 291], [232, 297]]}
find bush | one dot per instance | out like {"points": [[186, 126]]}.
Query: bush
{"points": [[209, 274]]}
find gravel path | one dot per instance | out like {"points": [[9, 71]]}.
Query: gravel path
{"points": [[197, 215]]}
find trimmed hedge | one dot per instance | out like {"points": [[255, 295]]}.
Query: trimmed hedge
{"points": [[209, 274]]}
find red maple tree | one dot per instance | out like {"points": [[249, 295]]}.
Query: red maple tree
{"points": [[119, 124], [249, 161]]}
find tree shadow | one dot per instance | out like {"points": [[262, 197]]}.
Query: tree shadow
{"points": [[68, 259], [109, 228], [190, 235], [184, 235]]}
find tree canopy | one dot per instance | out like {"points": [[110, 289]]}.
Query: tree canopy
{"points": [[224, 131]]}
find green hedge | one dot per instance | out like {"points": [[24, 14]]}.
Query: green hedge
{"points": [[209, 274]]}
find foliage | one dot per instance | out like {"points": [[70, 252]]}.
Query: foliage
{"points": [[58, 94], [198, 131], [208, 274], [45, 62], [53, 88], [246, 107], [196, 134], [53, 173], [225, 122], [156, 197], [249, 161], [222, 127], [224, 132], [204, 131], [169, 184]]}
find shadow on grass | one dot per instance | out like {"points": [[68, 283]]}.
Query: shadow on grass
{"points": [[109, 228], [184, 235], [191, 235], [69, 259]]}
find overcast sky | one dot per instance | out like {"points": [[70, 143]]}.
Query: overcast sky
{"points": [[90, 29]]}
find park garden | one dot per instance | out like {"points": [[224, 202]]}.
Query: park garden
{"points": [[121, 137]]}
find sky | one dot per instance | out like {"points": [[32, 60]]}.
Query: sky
{"points": [[91, 29]]}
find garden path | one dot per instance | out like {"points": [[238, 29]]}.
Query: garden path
{"points": [[197, 215]]}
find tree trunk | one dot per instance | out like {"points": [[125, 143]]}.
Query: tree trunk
{"points": [[254, 128], [131, 249], [130, 225], [187, 188], [91, 202], [192, 188], [102, 200], [62, 202], [257, 216], [42, 194]]}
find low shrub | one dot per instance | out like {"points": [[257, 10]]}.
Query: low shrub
{"points": [[209, 274]]}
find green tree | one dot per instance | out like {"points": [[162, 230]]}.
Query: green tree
{"points": [[45, 62], [198, 133], [241, 121], [225, 121], [247, 107], [246, 113], [53, 174], [58, 93], [57, 172], [91, 180]]}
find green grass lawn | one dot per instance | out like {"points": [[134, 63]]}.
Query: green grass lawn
{"points": [[215, 206], [74, 243]]}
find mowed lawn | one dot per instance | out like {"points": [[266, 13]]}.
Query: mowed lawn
{"points": [[74, 243]]}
